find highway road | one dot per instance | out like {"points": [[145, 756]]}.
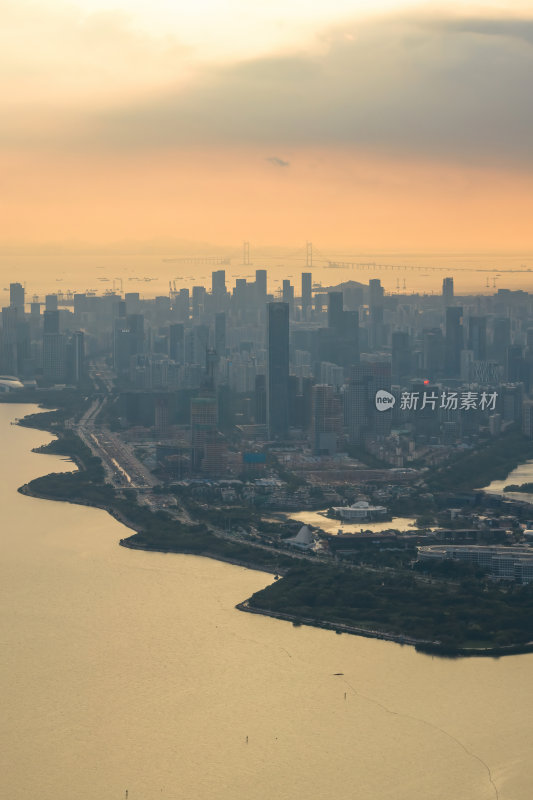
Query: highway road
{"points": [[122, 467]]}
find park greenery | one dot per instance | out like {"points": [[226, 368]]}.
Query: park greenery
{"points": [[473, 469], [467, 612], [522, 487]]}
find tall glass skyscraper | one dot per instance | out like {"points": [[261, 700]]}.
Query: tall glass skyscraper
{"points": [[278, 370]]}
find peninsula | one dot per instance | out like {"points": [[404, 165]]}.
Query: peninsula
{"points": [[379, 590]]}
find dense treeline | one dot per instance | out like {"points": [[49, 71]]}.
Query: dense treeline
{"points": [[519, 487], [161, 532], [66, 403], [477, 468], [471, 613]]}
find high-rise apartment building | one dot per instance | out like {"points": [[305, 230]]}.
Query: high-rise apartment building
{"points": [[55, 357], [361, 416], [203, 427]]}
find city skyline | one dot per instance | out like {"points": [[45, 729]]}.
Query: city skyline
{"points": [[266, 378]]}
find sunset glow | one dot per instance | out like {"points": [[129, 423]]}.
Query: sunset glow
{"points": [[410, 127]]}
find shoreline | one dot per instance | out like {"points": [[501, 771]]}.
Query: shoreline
{"points": [[26, 490], [234, 561], [425, 646], [429, 647], [338, 627]]}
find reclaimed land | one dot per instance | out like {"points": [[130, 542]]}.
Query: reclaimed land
{"points": [[458, 615]]}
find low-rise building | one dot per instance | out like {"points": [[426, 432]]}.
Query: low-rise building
{"points": [[360, 512], [504, 563]]}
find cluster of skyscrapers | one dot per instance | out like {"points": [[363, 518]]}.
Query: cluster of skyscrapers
{"points": [[33, 345], [300, 366]]}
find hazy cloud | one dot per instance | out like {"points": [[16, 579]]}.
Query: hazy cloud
{"points": [[512, 28], [448, 88], [53, 53], [277, 162]]}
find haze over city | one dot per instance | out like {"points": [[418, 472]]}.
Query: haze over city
{"points": [[266, 400]]}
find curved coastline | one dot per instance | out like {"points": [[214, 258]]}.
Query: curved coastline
{"points": [[430, 647], [426, 646]]}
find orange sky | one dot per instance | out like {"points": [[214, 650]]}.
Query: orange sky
{"points": [[218, 195], [410, 130]]}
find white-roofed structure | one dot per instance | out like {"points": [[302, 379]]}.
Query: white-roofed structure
{"points": [[360, 512], [8, 383], [304, 539]]}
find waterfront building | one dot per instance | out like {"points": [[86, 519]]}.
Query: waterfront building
{"points": [[76, 357], [54, 357], [304, 539], [504, 563], [10, 384], [8, 349], [527, 418], [360, 512]]}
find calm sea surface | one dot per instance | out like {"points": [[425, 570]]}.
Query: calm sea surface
{"points": [[123, 670]]}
